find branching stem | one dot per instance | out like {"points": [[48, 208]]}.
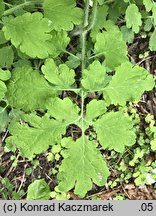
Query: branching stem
{"points": [[12, 10], [87, 26]]}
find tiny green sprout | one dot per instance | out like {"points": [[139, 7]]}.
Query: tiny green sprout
{"points": [[153, 145], [14, 164], [62, 196], [149, 118], [59, 195], [141, 180], [28, 171], [53, 194], [57, 157], [50, 156], [15, 161], [119, 197], [122, 167], [56, 149], [95, 198], [114, 183], [13, 157], [144, 35], [57, 189], [147, 140], [54, 171], [35, 163], [136, 174]]}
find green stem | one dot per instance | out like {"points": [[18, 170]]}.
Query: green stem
{"points": [[71, 54], [97, 55], [82, 112], [12, 10], [7, 4], [83, 37], [93, 17], [86, 28]]}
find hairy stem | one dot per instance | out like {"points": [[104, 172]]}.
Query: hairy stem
{"points": [[12, 10], [83, 37], [93, 17], [82, 112], [86, 28]]}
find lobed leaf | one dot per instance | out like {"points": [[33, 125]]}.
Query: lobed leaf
{"points": [[38, 133], [128, 84], [63, 14], [148, 4], [82, 165], [133, 18], [60, 76], [27, 89], [94, 109], [115, 131], [63, 110], [32, 34], [35, 136], [112, 45], [94, 77], [102, 13]]}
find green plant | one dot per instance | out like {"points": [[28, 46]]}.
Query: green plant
{"points": [[38, 190], [37, 44], [8, 190]]}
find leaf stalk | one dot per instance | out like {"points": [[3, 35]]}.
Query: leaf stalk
{"points": [[12, 10]]}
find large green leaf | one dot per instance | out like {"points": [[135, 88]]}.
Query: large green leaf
{"points": [[133, 18], [32, 34], [27, 89], [38, 190], [62, 77], [35, 136], [82, 165], [114, 131], [128, 84], [63, 14], [38, 133], [112, 45]]}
